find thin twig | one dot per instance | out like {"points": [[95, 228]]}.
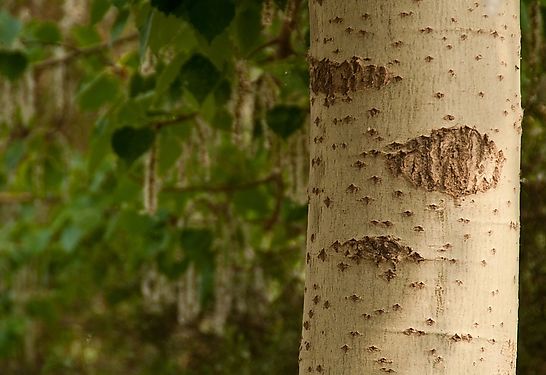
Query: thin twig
{"points": [[174, 121], [225, 188], [67, 58], [261, 47], [279, 198]]}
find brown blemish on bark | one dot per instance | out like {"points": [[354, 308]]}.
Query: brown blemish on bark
{"points": [[359, 164], [458, 161], [384, 360], [339, 78], [380, 250], [322, 255], [342, 266], [352, 188], [327, 202], [389, 274], [387, 370], [354, 298], [458, 338], [413, 332]]}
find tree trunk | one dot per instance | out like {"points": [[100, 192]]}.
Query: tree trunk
{"points": [[412, 248]]}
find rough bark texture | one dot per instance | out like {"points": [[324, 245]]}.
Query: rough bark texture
{"points": [[412, 252]]}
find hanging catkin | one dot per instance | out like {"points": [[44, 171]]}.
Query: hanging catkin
{"points": [[187, 299], [151, 181], [267, 13], [243, 106]]}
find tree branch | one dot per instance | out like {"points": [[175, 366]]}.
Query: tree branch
{"points": [[82, 52], [225, 188], [174, 121]]}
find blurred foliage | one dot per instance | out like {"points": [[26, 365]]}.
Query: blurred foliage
{"points": [[152, 189]]}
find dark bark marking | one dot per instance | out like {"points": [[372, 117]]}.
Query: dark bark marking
{"points": [[458, 338], [340, 78], [458, 161], [413, 332], [380, 250]]}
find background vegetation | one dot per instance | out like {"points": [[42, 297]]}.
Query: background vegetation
{"points": [[153, 186]]}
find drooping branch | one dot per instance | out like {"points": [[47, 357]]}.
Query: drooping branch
{"points": [[226, 188], [82, 52]]}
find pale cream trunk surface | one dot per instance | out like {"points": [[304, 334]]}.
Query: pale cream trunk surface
{"points": [[412, 247]]}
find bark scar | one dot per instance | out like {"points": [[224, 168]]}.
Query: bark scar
{"points": [[341, 78], [458, 161], [379, 249]]}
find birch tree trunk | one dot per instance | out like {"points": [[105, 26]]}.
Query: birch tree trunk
{"points": [[412, 248]]}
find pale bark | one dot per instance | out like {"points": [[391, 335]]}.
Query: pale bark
{"points": [[412, 248]]}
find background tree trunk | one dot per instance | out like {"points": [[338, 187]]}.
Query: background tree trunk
{"points": [[412, 262]]}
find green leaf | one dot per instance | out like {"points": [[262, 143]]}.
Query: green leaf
{"points": [[222, 119], [222, 93], [284, 120], [103, 89], [199, 76], [13, 64], [140, 84], [169, 74], [281, 3], [168, 7], [169, 150], [86, 35], [119, 23], [46, 32], [98, 10], [248, 28], [130, 143], [13, 154], [211, 17], [144, 35], [120, 3], [70, 237], [251, 203], [9, 28], [197, 244]]}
